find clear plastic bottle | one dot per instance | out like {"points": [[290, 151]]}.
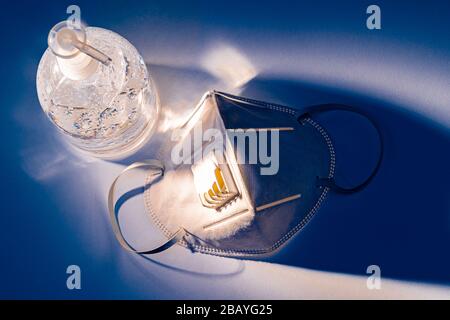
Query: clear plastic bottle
{"points": [[94, 86]]}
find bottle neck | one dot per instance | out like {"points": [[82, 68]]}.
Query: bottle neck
{"points": [[79, 67]]}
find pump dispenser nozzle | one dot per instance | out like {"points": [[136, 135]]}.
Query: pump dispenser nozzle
{"points": [[76, 59]]}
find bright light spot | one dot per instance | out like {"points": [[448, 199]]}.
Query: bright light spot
{"points": [[213, 182], [229, 64]]}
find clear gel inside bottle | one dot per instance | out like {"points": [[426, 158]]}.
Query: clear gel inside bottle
{"points": [[94, 86]]}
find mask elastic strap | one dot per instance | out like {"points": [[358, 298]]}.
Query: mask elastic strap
{"points": [[114, 207], [330, 182]]}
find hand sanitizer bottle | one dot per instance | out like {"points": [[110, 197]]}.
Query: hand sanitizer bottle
{"points": [[94, 86]]}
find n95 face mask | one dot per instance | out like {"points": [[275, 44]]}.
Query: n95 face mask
{"points": [[240, 177]]}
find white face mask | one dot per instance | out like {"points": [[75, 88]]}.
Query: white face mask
{"points": [[242, 179]]}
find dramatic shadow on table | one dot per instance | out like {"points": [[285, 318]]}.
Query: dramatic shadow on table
{"points": [[401, 221]]}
